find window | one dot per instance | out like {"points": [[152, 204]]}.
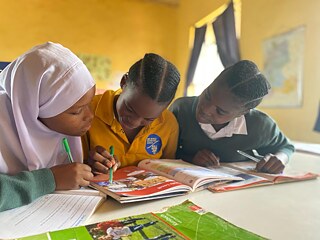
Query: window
{"points": [[208, 67]]}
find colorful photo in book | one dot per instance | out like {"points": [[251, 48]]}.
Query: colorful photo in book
{"points": [[145, 226], [135, 181]]}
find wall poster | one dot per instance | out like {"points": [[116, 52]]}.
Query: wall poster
{"points": [[283, 67]]}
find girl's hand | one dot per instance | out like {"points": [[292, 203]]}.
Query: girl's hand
{"points": [[101, 161], [270, 164], [206, 158], [71, 176]]}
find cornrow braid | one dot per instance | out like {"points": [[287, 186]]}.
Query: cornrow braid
{"points": [[158, 77], [247, 83]]}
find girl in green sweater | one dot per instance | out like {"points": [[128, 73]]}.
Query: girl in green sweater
{"points": [[223, 119]]}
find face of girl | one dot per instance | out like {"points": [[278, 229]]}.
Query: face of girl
{"points": [[135, 109], [217, 105], [76, 120]]}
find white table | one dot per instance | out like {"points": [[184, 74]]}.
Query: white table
{"points": [[283, 211]]}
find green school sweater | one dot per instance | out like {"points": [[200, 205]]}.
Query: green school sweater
{"points": [[263, 135], [24, 187]]}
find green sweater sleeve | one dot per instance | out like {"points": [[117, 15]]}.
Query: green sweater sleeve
{"points": [[25, 187]]}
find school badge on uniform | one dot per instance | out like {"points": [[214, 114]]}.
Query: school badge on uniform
{"points": [[153, 144]]}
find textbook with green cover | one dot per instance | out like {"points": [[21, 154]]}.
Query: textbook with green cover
{"points": [[183, 221]]}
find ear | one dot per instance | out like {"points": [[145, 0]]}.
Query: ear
{"points": [[124, 80]]}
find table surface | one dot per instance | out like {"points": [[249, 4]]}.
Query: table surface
{"points": [[282, 211]]}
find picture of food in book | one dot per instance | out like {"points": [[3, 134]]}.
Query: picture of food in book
{"points": [[135, 180], [137, 227]]}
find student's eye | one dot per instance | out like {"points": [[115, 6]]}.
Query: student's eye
{"points": [[77, 112], [149, 119], [219, 111]]}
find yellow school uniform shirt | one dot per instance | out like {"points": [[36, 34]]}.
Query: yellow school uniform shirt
{"points": [[157, 140]]}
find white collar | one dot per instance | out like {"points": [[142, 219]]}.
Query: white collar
{"points": [[236, 126]]}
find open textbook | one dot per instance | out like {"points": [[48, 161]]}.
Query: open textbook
{"points": [[183, 221], [159, 178], [89, 191], [47, 213], [252, 178]]}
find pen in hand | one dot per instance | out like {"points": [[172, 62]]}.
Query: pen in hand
{"points": [[248, 156], [67, 148], [111, 151]]}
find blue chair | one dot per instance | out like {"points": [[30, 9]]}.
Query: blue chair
{"points": [[3, 65]]}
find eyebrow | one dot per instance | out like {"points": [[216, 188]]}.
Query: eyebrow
{"points": [[80, 106], [208, 94], [128, 106], [131, 108]]}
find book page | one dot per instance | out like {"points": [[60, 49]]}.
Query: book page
{"points": [[186, 173], [132, 182], [48, 213], [289, 175], [87, 191], [249, 180]]}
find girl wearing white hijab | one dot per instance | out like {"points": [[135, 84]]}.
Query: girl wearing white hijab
{"points": [[45, 96]]}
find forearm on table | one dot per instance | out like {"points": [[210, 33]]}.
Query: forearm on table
{"points": [[24, 187]]}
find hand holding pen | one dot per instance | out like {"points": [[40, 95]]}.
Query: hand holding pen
{"points": [[270, 163], [101, 160], [72, 175]]}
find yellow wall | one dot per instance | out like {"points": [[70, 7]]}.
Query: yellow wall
{"points": [[265, 18], [122, 30]]}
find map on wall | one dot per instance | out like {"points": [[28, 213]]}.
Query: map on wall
{"points": [[283, 67]]}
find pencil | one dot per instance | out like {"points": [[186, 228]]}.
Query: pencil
{"points": [[248, 156], [111, 150]]}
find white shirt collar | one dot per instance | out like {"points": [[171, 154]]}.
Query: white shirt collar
{"points": [[236, 126]]}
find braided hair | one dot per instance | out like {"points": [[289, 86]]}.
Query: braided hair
{"points": [[158, 77], [247, 83]]}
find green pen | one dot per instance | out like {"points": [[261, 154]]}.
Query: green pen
{"points": [[111, 151], [67, 148]]}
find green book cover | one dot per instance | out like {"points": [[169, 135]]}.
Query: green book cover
{"points": [[183, 221]]}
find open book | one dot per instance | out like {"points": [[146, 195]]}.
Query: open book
{"points": [[158, 178], [183, 221], [48, 213], [253, 178], [87, 191]]}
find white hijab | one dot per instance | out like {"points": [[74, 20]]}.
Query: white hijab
{"points": [[43, 82]]}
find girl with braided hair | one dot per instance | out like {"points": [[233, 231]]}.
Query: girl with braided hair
{"points": [[223, 119], [135, 119]]}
